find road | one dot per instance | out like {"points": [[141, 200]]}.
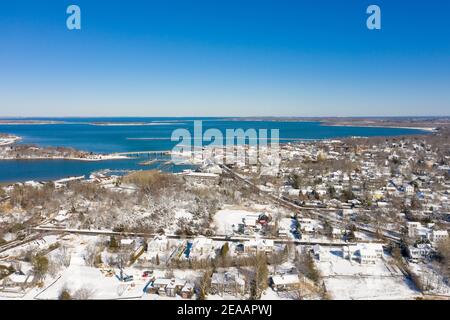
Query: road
{"points": [[175, 236], [16, 243], [28, 238]]}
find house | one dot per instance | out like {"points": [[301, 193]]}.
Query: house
{"points": [[286, 282], [438, 235], [308, 228], [337, 233], [201, 177], [187, 291], [201, 246], [363, 252], [264, 219], [416, 230], [283, 233], [259, 245], [367, 255], [174, 287], [159, 286], [419, 252], [158, 244], [409, 189], [250, 221], [60, 219], [321, 254], [227, 282], [169, 287], [308, 225], [127, 243]]}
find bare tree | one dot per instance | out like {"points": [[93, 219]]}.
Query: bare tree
{"points": [[83, 294], [63, 256], [204, 285]]}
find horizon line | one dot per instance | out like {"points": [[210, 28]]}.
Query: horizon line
{"points": [[236, 116]]}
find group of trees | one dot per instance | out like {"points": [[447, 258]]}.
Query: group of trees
{"points": [[27, 151], [28, 197], [259, 280], [444, 256], [304, 262], [152, 181], [80, 294], [40, 265]]}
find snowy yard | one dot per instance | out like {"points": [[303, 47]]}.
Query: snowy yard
{"points": [[227, 220], [345, 279], [431, 278]]}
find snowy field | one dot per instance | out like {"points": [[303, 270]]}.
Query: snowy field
{"points": [[348, 280], [227, 220]]}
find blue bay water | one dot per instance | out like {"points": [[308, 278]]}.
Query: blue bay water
{"points": [[79, 133]]}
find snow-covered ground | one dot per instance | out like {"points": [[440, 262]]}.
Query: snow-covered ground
{"points": [[348, 280], [95, 283], [78, 276], [433, 280], [227, 220]]}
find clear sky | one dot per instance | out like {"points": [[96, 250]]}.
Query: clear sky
{"points": [[224, 58]]}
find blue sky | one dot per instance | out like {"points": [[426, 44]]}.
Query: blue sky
{"points": [[224, 58]]}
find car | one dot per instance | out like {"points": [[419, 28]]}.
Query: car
{"points": [[147, 273], [128, 278]]}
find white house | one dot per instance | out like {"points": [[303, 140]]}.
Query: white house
{"points": [[367, 255], [416, 230], [409, 189], [285, 282], [169, 287], [201, 246], [438, 235], [363, 252], [158, 244], [259, 245], [227, 282], [420, 251], [320, 253], [202, 177], [250, 220]]}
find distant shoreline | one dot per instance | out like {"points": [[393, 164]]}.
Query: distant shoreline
{"points": [[426, 124], [29, 122], [428, 129]]}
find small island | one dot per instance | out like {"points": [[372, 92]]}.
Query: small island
{"points": [[7, 139], [9, 150]]}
